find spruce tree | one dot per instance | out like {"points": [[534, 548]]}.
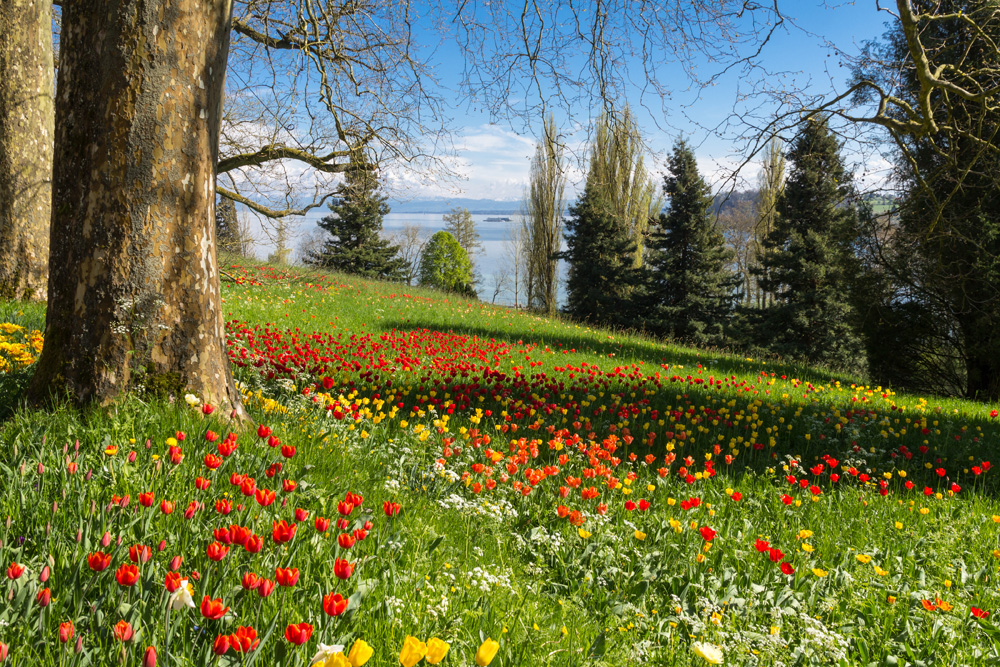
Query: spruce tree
{"points": [[809, 260], [690, 287], [600, 252], [355, 245]]}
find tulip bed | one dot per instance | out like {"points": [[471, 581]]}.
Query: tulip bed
{"points": [[430, 480]]}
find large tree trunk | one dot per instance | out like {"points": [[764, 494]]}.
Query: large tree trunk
{"points": [[133, 277], [26, 117]]}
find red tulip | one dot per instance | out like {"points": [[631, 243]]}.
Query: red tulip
{"points": [[212, 461], [254, 544], [172, 581], [301, 514], [287, 451], [286, 576], [44, 597], [707, 533], [345, 540], [251, 581], [298, 633], [283, 532], [263, 431], [66, 631], [98, 561], [139, 553], [265, 588], [345, 508], [322, 525], [223, 506], [127, 575], [202, 484], [176, 562], [334, 604], [213, 609], [123, 631], [289, 485], [264, 497], [149, 657], [166, 507], [221, 645], [14, 571], [216, 551], [979, 613], [391, 509], [207, 409], [342, 569], [244, 639], [146, 499]]}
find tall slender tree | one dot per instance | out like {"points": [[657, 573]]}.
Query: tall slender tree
{"points": [[619, 176], [690, 287], [772, 183], [809, 257], [355, 244], [26, 136], [544, 204]]}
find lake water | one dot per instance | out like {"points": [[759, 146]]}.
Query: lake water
{"points": [[493, 234]]}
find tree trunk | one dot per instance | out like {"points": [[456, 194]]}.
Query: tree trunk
{"points": [[26, 118], [134, 281]]}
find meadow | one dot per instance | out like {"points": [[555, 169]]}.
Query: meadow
{"points": [[434, 480]]}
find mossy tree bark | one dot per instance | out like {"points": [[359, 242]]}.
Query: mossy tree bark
{"points": [[133, 277], [26, 117]]}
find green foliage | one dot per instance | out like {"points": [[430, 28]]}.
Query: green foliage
{"points": [[544, 204], [943, 251], [445, 265], [462, 226], [355, 245], [599, 249], [689, 285], [809, 259]]}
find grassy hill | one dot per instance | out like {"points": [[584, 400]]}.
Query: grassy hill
{"points": [[477, 474]]}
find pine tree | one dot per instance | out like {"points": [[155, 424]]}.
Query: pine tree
{"points": [[690, 287], [600, 252], [809, 258], [355, 245]]}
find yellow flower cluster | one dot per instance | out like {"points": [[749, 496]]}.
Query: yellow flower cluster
{"points": [[19, 347]]}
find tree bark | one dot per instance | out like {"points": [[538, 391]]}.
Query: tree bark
{"points": [[26, 118], [133, 278]]}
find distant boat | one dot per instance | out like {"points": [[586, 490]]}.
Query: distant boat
{"points": [[497, 219]]}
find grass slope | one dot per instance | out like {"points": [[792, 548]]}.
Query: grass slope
{"points": [[577, 495]]}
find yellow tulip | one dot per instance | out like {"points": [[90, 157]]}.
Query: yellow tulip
{"points": [[338, 660], [413, 651], [487, 651], [360, 653], [436, 650], [639, 535], [709, 652]]}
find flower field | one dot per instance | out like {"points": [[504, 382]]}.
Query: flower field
{"points": [[431, 480]]}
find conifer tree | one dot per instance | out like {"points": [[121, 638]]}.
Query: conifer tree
{"points": [[600, 252], [809, 258], [355, 245], [690, 287]]}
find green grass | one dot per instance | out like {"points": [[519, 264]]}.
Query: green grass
{"points": [[544, 403]]}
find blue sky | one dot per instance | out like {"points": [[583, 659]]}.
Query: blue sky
{"points": [[494, 157]]}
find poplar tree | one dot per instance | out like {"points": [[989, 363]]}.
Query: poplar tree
{"points": [[544, 204], [809, 259], [690, 287]]}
